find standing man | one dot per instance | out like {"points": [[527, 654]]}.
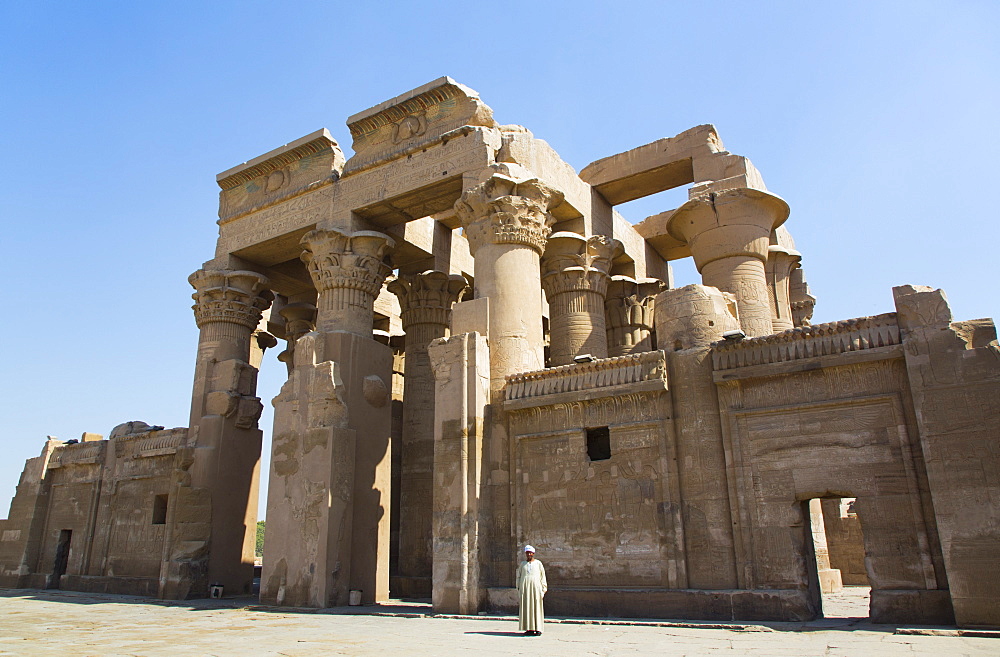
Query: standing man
{"points": [[531, 586]]}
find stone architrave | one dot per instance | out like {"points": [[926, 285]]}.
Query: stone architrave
{"points": [[629, 314], [425, 302], [728, 233], [782, 260], [212, 542], [803, 302], [575, 280], [507, 222], [348, 271]]}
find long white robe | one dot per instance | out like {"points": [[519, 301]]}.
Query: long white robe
{"points": [[531, 585]]}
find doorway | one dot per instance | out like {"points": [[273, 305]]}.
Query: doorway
{"points": [[839, 550], [61, 560]]}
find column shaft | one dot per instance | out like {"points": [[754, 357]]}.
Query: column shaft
{"points": [[744, 277]]}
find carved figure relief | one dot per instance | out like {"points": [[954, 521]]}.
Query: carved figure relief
{"points": [[414, 125]]}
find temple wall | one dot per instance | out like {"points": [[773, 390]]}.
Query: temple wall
{"points": [[103, 497]]}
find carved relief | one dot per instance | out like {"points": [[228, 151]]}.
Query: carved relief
{"points": [[237, 297], [414, 125], [427, 298], [355, 260], [508, 210]]}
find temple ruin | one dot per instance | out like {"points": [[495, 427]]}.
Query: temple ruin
{"points": [[481, 352]]}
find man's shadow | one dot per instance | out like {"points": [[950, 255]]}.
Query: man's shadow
{"points": [[498, 633]]}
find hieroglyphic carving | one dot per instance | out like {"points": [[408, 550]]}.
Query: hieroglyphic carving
{"points": [[580, 512], [857, 447], [287, 216], [469, 150], [617, 410]]}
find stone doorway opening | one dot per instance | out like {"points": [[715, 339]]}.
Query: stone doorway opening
{"points": [[839, 550], [61, 559]]}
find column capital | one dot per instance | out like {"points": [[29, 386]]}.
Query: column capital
{"points": [[803, 302], [354, 260], [573, 263], [733, 222], [509, 207], [233, 297], [629, 313], [427, 298]]}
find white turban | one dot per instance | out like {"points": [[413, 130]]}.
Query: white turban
{"points": [[529, 548]]}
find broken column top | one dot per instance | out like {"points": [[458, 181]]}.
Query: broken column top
{"points": [[415, 118]]}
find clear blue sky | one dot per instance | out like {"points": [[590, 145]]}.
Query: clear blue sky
{"points": [[877, 121]]}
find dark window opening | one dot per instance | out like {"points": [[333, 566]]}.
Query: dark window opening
{"points": [[160, 510], [599, 443]]}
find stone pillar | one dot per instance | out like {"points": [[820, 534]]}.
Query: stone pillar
{"points": [[300, 318], [782, 259], [461, 375], [348, 271], [213, 527], [629, 314], [425, 302], [507, 222], [802, 301], [331, 464], [575, 279], [829, 577], [728, 233]]}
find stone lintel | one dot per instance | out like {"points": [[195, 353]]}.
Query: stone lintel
{"points": [[654, 230], [314, 142], [651, 168]]}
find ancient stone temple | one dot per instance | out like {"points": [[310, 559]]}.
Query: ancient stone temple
{"points": [[481, 352]]}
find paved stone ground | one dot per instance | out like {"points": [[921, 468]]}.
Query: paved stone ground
{"points": [[67, 623]]}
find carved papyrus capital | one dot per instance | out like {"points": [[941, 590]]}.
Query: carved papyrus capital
{"points": [[427, 298], [572, 263], [803, 302], [629, 313], [353, 261], [508, 210], [234, 297]]}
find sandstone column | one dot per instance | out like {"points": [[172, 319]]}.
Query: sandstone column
{"points": [[782, 260], [425, 302], [507, 221], [728, 233], [575, 279], [629, 313], [212, 541]]}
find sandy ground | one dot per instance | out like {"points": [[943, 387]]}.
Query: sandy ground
{"points": [[68, 623]]}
